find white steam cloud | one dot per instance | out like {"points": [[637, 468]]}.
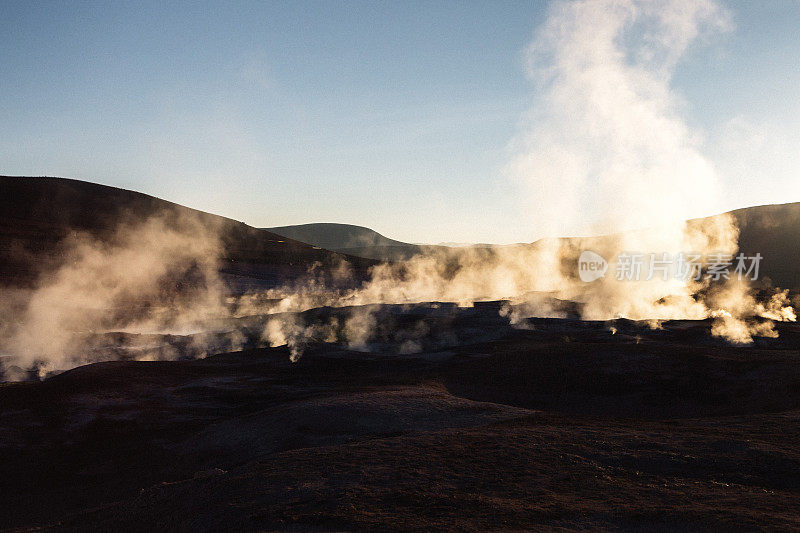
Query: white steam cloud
{"points": [[603, 149], [153, 276]]}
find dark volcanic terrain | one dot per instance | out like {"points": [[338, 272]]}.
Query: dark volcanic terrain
{"points": [[565, 424], [36, 214], [395, 417]]}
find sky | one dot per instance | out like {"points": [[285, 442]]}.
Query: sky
{"points": [[407, 117]]}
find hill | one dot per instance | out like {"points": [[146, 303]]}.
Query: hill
{"points": [[774, 232], [771, 230], [37, 213], [334, 236], [350, 239]]}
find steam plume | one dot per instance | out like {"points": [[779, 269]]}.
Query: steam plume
{"points": [[603, 149], [149, 276]]}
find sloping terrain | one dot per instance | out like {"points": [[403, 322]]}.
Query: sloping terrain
{"points": [[444, 417], [566, 424], [352, 240], [774, 232], [36, 214], [332, 236], [771, 230]]}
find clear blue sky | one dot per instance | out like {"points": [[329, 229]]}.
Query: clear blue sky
{"points": [[393, 115]]}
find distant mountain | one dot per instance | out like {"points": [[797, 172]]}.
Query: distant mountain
{"points": [[350, 239], [36, 213], [333, 236], [771, 230]]}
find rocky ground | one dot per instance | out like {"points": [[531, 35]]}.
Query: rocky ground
{"points": [[564, 425]]}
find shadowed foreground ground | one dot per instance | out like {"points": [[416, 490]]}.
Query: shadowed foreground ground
{"points": [[565, 425]]}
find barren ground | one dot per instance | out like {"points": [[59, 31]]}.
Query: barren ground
{"points": [[564, 425]]}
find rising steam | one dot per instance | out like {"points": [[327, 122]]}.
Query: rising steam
{"points": [[603, 150], [157, 275]]}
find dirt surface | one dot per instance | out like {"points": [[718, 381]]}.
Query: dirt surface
{"points": [[566, 425]]}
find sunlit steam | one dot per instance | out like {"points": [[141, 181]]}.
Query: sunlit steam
{"points": [[153, 276], [603, 150]]}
